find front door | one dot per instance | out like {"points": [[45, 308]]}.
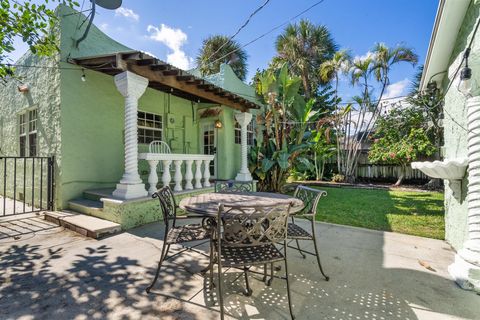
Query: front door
{"points": [[208, 144]]}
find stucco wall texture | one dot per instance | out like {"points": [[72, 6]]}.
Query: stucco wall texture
{"points": [[82, 122], [455, 124]]}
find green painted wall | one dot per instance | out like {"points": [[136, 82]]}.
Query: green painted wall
{"points": [[455, 136], [82, 123], [46, 100]]}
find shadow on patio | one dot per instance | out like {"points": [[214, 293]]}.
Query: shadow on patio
{"points": [[373, 276]]}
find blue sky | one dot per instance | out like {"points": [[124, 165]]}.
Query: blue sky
{"points": [[174, 30]]}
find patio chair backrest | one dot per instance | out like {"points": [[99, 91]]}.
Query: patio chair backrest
{"points": [[233, 186], [158, 146], [252, 225], [310, 198], [167, 204]]}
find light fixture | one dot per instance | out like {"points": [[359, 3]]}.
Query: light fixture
{"points": [[23, 88], [218, 124], [432, 86], [84, 78], [466, 82]]}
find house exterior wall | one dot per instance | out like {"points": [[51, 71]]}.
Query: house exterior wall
{"points": [[456, 136], [82, 122], [46, 100]]}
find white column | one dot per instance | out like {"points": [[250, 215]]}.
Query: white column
{"points": [[188, 175], [206, 173], [152, 177], [198, 174], [178, 175], [131, 86], [243, 120], [466, 268], [166, 177]]}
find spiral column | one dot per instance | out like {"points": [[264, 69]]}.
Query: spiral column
{"points": [[131, 86], [243, 120], [466, 268]]}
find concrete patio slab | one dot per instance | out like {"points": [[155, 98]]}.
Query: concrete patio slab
{"points": [[374, 275], [89, 226]]}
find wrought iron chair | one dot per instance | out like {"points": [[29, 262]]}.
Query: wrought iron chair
{"points": [[175, 234], [310, 198], [246, 237], [234, 186]]}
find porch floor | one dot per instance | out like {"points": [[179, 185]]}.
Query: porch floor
{"points": [[58, 274]]}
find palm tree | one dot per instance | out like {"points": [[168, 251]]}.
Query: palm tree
{"points": [[385, 58], [304, 47], [333, 68], [360, 72], [220, 49]]}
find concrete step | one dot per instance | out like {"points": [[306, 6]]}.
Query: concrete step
{"points": [[97, 194], [90, 207], [85, 225]]}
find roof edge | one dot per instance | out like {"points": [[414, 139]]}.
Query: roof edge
{"points": [[449, 18]]}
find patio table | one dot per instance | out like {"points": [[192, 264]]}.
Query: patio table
{"points": [[206, 204]]}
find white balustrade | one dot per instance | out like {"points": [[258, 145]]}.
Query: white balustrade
{"points": [[200, 175], [188, 175], [166, 177], [178, 175], [206, 173], [152, 177]]}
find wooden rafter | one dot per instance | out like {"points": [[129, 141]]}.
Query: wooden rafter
{"points": [[165, 77]]}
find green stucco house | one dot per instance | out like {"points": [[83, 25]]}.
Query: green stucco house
{"points": [[454, 36], [98, 105]]}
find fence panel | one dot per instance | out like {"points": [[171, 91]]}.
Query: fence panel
{"points": [[27, 185]]}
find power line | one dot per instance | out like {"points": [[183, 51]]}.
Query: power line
{"points": [[239, 29], [268, 32]]}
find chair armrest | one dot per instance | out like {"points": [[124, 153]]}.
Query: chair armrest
{"points": [[190, 216]]}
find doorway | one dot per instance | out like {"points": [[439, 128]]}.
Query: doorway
{"points": [[208, 143]]}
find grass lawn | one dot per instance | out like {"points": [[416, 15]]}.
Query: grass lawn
{"points": [[409, 212]]}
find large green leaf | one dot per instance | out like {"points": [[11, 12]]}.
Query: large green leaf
{"points": [[267, 164], [282, 159]]}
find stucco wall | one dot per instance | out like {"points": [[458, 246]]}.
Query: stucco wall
{"points": [[89, 148], [44, 98], [455, 133]]}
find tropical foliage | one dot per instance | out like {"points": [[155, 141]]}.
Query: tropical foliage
{"points": [[220, 49], [281, 147], [304, 47], [400, 138], [354, 122], [31, 22]]}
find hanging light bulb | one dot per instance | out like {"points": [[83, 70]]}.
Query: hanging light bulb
{"points": [[84, 78], [466, 83]]}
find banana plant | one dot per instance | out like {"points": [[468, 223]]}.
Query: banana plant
{"points": [[281, 143]]}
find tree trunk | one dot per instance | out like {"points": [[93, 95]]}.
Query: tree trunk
{"points": [[402, 175]]}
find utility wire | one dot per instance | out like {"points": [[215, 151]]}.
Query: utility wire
{"points": [[399, 98], [239, 29], [268, 32]]}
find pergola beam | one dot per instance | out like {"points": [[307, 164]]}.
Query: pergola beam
{"points": [[165, 77]]}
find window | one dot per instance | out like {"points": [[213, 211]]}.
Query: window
{"points": [[149, 127], [238, 133], [27, 123]]}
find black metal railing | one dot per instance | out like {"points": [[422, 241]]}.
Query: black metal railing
{"points": [[27, 184]]}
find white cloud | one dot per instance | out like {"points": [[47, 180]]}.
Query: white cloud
{"points": [[104, 27], [174, 39], [369, 54], [127, 13], [396, 89]]}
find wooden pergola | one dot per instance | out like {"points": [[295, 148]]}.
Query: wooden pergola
{"points": [[165, 77]]}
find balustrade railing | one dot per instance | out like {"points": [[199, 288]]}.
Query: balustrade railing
{"points": [[181, 163]]}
